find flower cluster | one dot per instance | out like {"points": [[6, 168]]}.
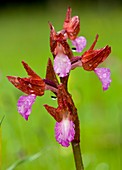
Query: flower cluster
{"points": [[66, 128]]}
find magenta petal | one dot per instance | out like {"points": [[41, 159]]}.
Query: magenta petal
{"points": [[62, 65], [104, 76], [64, 132], [79, 43], [24, 105]]}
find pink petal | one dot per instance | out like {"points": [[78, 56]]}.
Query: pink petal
{"points": [[64, 132], [24, 105], [79, 43], [104, 76], [62, 65]]}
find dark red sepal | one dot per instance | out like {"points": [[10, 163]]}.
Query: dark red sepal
{"points": [[71, 25], [58, 43], [31, 85], [92, 58], [65, 107], [53, 42]]}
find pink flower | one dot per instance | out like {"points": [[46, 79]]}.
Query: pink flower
{"points": [[64, 132], [25, 104], [104, 76], [79, 43], [62, 65], [65, 116]]}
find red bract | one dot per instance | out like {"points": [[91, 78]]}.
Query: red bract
{"points": [[71, 25], [50, 74], [31, 85], [92, 58]]}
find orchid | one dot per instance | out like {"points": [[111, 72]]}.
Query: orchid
{"points": [[56, 80], [64, 129], [92, 58]]}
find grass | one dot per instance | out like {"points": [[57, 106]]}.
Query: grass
{"points": [[24, 35]]}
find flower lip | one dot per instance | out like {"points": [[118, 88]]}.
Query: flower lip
{"points": [[24, 105], [62, 65], [79, 43], [104, 76], [64, 132]]}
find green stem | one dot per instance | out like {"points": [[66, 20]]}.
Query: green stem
{"points": [[76, 146], [77, 156]]}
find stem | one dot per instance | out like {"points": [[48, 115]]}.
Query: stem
{"points": [[64, 81], [76, 146], [76, 142], [77, 156]]}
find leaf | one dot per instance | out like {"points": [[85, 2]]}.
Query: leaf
{"points": [[28, 159], [1, 121], [25, 160]]}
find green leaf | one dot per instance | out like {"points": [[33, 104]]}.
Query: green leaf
{"points": [[25, 160], [2, 120]]}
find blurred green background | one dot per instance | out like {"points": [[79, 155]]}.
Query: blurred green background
{"points": [[24, 35]]}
